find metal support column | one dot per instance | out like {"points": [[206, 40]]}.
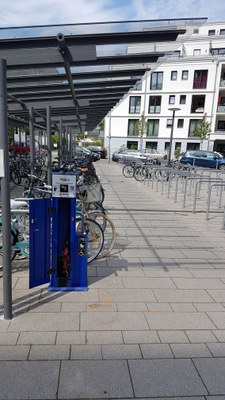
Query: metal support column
{"points": [[49, 145], [32, 140], [5, 193], [60, 142]]}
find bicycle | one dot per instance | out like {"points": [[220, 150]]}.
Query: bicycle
{"points": [[19, 232]]}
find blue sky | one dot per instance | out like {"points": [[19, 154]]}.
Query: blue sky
{"points": [[40, 12]]}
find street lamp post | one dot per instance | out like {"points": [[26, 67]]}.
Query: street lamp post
{"points": [[173, 109]]}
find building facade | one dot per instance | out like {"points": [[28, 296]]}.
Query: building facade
{"points": [[190, 79]]}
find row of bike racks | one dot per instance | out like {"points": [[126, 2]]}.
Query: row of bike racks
{"points": [[189, 181]]}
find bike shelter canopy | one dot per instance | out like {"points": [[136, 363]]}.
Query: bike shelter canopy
{"points": [[82, 70]]}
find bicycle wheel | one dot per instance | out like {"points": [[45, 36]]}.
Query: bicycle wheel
{"points": [[95, 237], [128, 171], [15, 177], [109, 231], [140, 173]]}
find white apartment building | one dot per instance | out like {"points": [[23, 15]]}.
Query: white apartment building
{"points": [[192, 79]]}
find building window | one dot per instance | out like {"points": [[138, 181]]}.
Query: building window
{"points": [[166, 146], [192, 126], [198, 104], [222, 31], [154, 105], [177, 145], [172, 99], [153, 127], [133, 127], [169, 122], [138, 86], [221, 126], [211, 32], [151, 145], [196, 52], [173, 75], [184, 75], [183, 99], [135, 105], [193, 146], [156, 81], [131, 144], [200, 79], [180, 123], [218, 52], [195, 30]]}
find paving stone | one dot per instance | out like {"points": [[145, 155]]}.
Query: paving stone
{"points": [[217, 295], [101, 306], [148, 283], [140, 337], [35, 322], [121, 351], [159, 307], [183, 307], [14, 352], [219, 334], [217, 349], [182, 296], [209, 307], [171, 272], [24, 380], [106, 282], [197, 283], [156, 351], [132, 306], [70, 338], [112, 321], [173, 336], [129, 271], [158, 378], [8, 338], [72, 307], [218, 318], [37, 338], [49, 352], [212, 372], [200, 336], [95, 379], [190, 350], [177, 320], [41, 307], [104, 337], [124, 295], [86, 352], [208, 273]]}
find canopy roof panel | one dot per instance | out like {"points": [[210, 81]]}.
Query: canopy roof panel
{"points": [[81, 70]]}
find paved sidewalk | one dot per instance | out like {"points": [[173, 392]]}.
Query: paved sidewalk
{"points": [[151, 325]]}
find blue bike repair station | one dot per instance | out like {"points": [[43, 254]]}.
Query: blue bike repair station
{"points": [[58, 253]]}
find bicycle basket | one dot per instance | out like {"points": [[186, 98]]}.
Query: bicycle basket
{"points": [[93, 193]]}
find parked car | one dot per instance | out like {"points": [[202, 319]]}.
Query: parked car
{"points": [[202, 158], [98, 149], [155, 154], [132, 155], [84, 151]]}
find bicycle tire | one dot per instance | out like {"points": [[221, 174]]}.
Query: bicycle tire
{"points": [[109, 231], [140, 174], [15, 177], [128, 171], [95, 237]]}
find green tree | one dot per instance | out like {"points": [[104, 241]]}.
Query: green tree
{"points": [[141, 128], [202, 129]]}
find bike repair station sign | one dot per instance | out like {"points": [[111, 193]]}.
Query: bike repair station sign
{"points": [[64, 185]]}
